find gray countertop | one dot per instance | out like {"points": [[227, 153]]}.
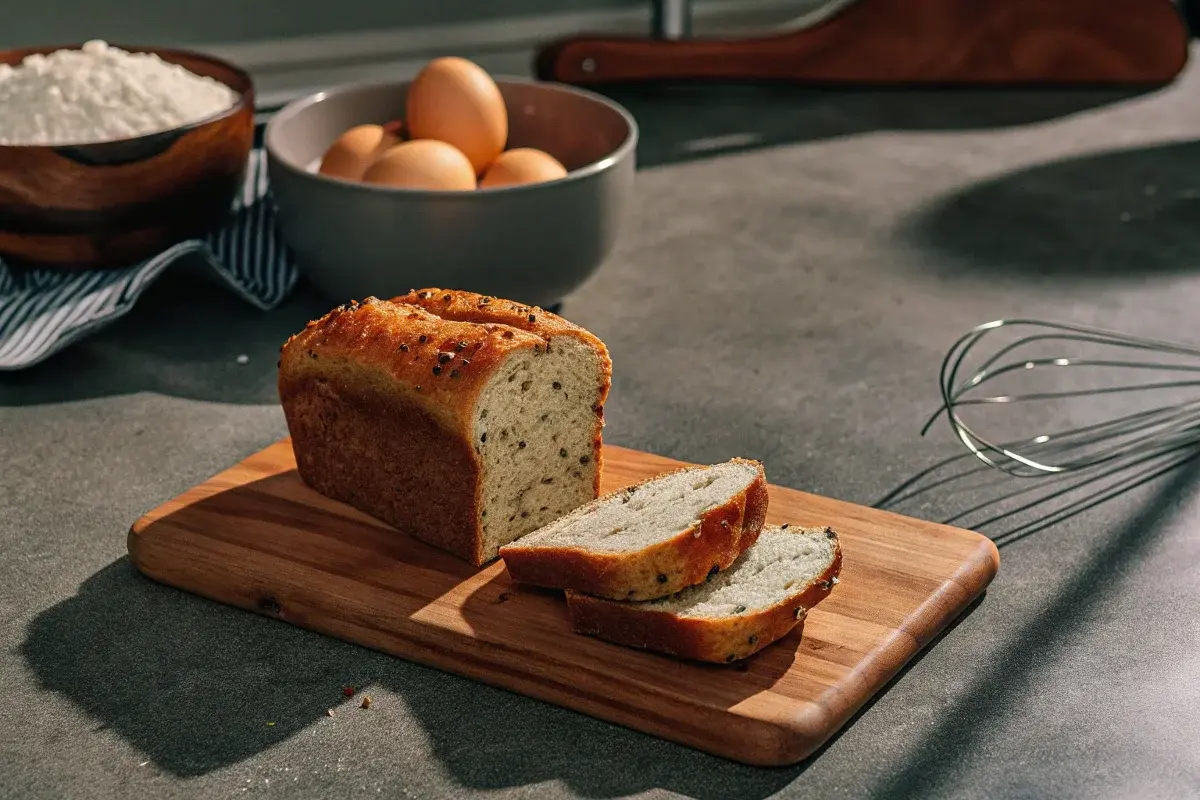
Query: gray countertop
{"points": [[789, 300]]}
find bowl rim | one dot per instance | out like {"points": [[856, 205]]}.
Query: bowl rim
{"points": [[244, 97], [296, 106]]}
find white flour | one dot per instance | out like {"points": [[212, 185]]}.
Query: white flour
{"points": [[101, 93]]}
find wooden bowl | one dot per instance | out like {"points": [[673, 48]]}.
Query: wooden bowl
{"points": [[115, 203]]}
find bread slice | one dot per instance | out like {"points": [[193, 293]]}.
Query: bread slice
{"points": [[648, 540], [762, 597], [464, 420]]}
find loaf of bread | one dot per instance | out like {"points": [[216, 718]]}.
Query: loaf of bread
{"points": [[736, 613], [648, 540], [464, 420]]}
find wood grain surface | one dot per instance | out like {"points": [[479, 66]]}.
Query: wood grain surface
{"points": [[911, 42], [256, 537]]}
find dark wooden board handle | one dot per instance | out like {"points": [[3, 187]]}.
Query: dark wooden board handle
{"points": [[897, 42]]}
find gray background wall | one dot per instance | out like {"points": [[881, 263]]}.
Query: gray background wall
{"points": [[28, 22]]}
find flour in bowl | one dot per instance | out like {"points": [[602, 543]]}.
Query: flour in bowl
{"points": [[101, 93]]}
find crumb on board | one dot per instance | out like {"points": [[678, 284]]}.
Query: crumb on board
{"points": [[366, 701]]}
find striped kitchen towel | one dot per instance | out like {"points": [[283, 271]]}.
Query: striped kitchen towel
{"points": [[42, 312]]}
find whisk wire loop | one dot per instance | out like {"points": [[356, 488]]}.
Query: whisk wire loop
{"points": [[1166, 427]]}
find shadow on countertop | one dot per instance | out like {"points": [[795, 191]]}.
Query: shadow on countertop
{"points": [[687, 123], [1120, 213], [183, 338], [962, 727], [198, 686], [193, 684]]}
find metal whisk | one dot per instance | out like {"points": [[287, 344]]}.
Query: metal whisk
{"points": [[1121, 365]]}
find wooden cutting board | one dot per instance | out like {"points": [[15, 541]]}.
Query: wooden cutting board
{"points": [[256, 537]]}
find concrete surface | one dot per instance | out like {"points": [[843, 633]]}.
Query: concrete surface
{"points": [[795, 269]]}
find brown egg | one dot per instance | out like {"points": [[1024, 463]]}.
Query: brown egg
{"points": [[350, 155], [422, 164], [455, 101], [522, 165]]}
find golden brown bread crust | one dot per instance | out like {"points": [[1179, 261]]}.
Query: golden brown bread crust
{"points": [[479, 308], [713, 639], [380, 396], [657, 571]]}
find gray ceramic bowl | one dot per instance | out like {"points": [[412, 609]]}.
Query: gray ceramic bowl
{"points": [[532, 243]]}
